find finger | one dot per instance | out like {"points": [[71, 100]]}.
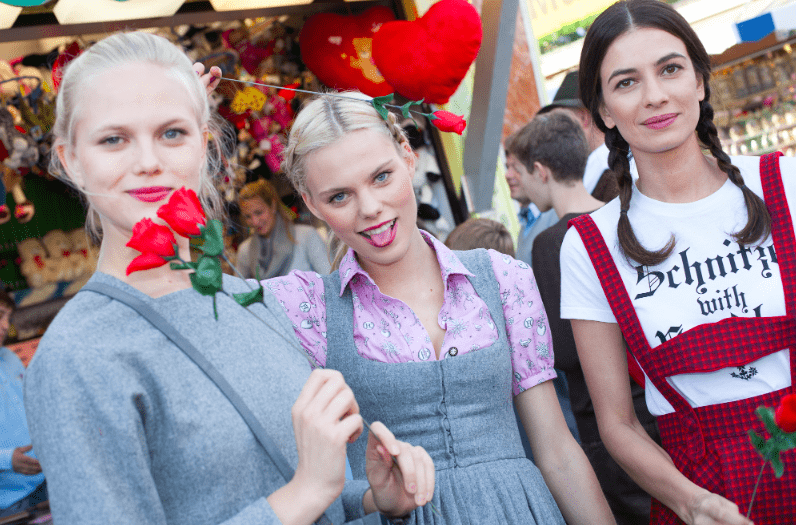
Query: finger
{"points": [[420, 475], [430, 473], [334, 386], [386, 437], [25, 449], [406, 463], [215, 73], [343, 404], [314, 383], [199, 68], [351, 427]]}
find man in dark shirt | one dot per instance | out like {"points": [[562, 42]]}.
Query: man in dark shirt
{"points": [[553, 150]]}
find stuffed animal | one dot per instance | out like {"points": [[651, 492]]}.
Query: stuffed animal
{"points": [[19, 153], [84, 252], [33, 263], [59, 255]]}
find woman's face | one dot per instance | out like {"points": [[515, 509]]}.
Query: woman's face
{"points": [[136, 140], [362, 188], [651, 91], [259, 216]]}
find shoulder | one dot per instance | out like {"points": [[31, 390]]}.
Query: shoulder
{"points": [[304, 231], [553, 235]]}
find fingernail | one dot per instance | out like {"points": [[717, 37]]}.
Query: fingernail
{"points": [[412, 487], [419, 500], [381, 450]]}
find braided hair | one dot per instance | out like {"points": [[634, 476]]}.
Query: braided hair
{"points": [[618, 19], [322, 122]]}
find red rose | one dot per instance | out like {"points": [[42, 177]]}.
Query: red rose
{"points": [[183, 213], [145, 261], [785, 416], [149, 237], [447, 121]]}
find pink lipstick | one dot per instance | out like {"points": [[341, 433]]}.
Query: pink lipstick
{"points": [[660, 121], [150, 193]]}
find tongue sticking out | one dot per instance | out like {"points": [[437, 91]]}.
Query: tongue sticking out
{"points": [[384, 238]]}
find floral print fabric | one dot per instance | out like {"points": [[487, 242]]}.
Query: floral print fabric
{"points": [[387, 330]]}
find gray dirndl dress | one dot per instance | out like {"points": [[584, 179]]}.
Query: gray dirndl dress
{"points": [[459, 409]]}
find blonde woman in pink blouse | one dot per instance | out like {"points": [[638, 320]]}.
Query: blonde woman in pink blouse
{"points": [[435, 343]]}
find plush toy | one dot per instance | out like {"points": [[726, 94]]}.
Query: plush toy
{"points": [[428, 58], [59, 256], [18, 153], [33, 263], [339, 50], [85, 254]]}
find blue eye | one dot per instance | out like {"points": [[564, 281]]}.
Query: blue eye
{"points": [[111, 141], [381, 177], [173, 133], [337, 198]]}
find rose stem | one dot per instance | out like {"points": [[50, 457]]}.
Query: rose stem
{"points": [[754, 492]]}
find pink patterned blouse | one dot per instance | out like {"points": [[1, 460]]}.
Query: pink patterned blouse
{"points": [[387, 330]]}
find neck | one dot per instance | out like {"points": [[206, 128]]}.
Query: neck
{"points": [[414, 267], [596, 138], [114, 257], [683, 174], [572, 199]]}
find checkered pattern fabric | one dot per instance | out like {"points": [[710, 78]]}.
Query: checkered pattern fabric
{"points": [[710, 444]]}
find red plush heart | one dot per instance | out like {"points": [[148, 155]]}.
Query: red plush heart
{"points": [[428, 58], [338, 49]]}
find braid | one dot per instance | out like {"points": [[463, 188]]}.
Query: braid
{"points": [[620, 165], [758, 224], [396, 131]]}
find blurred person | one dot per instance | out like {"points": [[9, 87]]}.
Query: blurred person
{"points": [[22, 484], [481, 233], [276, 245], [557, 151]]}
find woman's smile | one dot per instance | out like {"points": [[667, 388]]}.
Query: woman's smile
{"points": [[381, 235], [150, 193]]}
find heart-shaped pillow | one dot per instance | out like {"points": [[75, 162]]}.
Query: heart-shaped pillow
{"points": [[429, 57], [338, 50]]}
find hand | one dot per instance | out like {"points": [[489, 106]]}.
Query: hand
{"points": [[209, 79], [24, 464], [397, 490], [712, 509], [325, 418]]}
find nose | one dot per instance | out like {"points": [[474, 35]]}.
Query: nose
{"points": [[148, 160], [654, 93], [369, 204]]}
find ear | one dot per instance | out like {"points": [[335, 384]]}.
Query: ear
{"points": [[700, 87], [69, 163], [307, 198], [409, 157], [606, 116], [541, 172]]}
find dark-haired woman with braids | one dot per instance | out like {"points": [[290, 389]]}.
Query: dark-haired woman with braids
{"points": [[691, 269]]}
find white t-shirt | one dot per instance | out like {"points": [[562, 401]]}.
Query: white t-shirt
{"points": [[707, 278]]}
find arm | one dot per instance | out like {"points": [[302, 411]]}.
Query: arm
{"points": [[565, 468], [602, 355]]}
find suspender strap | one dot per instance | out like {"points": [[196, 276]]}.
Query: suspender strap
{"points": [[159, 322]]}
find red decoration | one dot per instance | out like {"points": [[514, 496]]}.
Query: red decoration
{"points": [[785, 416], [429, 57], [154, 242], [183, 212], [447, 121], [63, 59], [338, 50]]}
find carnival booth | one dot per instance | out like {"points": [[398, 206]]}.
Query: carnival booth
{"points": [[271, 52]]}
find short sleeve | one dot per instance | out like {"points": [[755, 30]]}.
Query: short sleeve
{"points": [[302, 297], [526, 322], [582, 295]]}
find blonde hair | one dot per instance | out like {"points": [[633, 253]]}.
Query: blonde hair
{"points": [[128, 48], [325, 120]]}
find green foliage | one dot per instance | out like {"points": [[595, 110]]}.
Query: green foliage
{"points": [[207, 277], [379, 105], [780, 441], [246, 298], [213, 235]]}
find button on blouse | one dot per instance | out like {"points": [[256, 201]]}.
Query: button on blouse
{"points": [[387, 330]]}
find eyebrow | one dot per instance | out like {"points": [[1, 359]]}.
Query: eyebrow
{"points": [[335, 191], [634, 70]]}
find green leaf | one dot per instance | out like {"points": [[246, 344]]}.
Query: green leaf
{"points": [[378, 105], [246, 298], [213, 235], [180, 266], [776, 464], [405, 107], [758, 442], [207, 278]]}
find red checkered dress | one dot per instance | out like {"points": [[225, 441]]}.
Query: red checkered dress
{"points": [[710, 444]]}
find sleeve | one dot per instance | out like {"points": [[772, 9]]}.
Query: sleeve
{"points": [[526, 322], [16, 370], [317, 254], [353, 492], [6, 455], [582, 295], [301, 296], [86, 419]]}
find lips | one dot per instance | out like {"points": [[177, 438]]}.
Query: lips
{"points": [[380, 235], [150, 193], [660, 121]]}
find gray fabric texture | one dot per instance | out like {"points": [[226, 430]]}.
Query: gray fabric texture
{"points": [[309, 253], [129, 430], [525, 242], [459, 409]]}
